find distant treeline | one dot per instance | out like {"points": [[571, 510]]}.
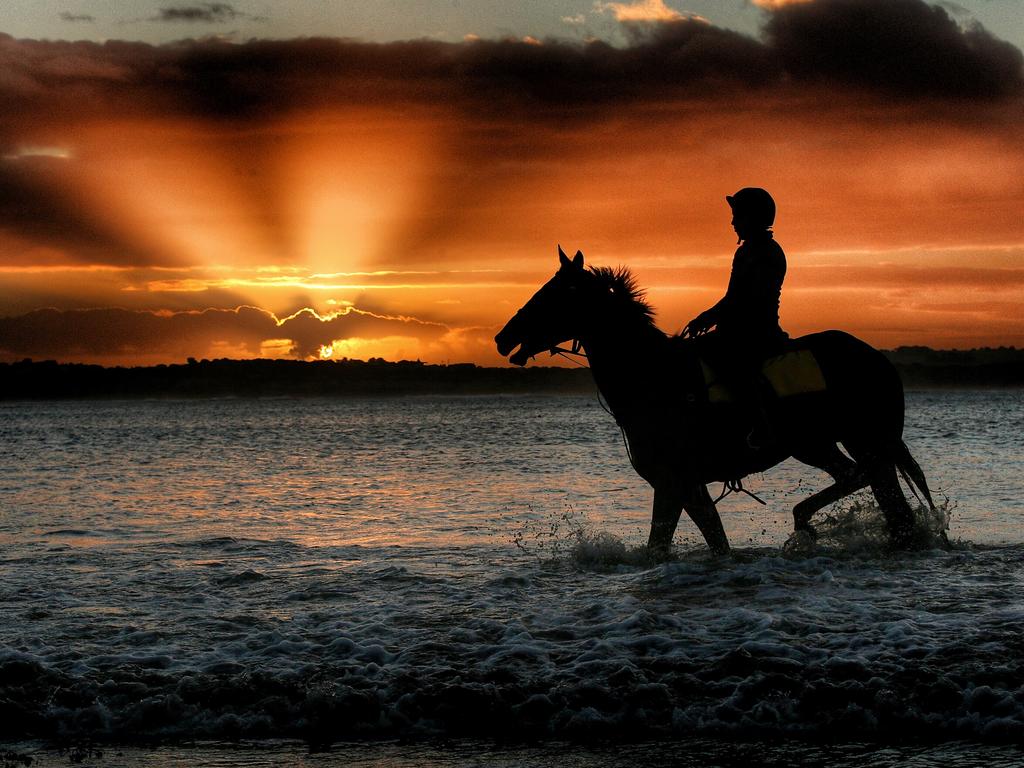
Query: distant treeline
{"points": [[920, 367]]}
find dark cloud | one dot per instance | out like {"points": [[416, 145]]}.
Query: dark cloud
{"points": [[97, 333], [955, 9], [903, 46], [81, 18], [204, 12], [36, 205]]}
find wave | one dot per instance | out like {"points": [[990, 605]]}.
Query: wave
{"points": [[642, 684], [593, 647]]}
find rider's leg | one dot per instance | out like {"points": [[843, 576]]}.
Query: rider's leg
{"points": [[740, 370]]}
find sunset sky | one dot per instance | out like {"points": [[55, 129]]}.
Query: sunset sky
{"points": [[286, 179]]}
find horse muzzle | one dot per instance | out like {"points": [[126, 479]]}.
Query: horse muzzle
{"points": [[520, 358], [505, 344], [521, 355], [508, 339], [516, 341], [505, 347]]}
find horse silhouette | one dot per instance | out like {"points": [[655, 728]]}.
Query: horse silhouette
{"points": [[682, 431]]}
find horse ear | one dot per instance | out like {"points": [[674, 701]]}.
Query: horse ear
{"points": [[577, 260], [562, 258]]}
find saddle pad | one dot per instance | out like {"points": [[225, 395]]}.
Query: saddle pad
{"points": [[717, 393], [793, 373]]}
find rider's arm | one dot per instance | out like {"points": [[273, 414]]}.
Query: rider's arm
{"points": [[706, 320], [709, 318]]}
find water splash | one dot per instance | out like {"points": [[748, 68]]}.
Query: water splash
{"points": [[600, 550], [570, 537], [857, 525]]}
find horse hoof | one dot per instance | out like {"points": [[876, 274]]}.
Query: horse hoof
{"points": [[904, 544], [659, 553], [808, 529], [800, 542]]}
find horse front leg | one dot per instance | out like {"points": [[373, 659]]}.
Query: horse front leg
{"points": [[669, 502]]}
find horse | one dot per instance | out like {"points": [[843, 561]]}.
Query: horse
{"points": [[681, 429]]}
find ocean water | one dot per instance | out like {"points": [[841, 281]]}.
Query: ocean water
{"points": [[397, 576]]}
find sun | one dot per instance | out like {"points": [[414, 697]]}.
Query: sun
{"points": [[326, 351]]}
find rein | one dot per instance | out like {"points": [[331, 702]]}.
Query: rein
{"points": [[556, 350]]}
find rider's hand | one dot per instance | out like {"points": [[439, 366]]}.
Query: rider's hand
{"points": [[699, 325]]}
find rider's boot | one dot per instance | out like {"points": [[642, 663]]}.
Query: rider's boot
{"points": [[762, 435]]}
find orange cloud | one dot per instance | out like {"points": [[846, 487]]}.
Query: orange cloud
{"points": [[776, 4], [118, 334], [432, 180], [642, 10]]}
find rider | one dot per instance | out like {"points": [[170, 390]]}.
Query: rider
{"points": [[747, 317]]}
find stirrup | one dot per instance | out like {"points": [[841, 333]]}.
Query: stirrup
{"points": [[766, 442]]}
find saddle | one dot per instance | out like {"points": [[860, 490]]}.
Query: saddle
{"points": [[794, 372]]}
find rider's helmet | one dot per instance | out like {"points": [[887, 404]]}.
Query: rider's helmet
{"points": [[754, 205]]}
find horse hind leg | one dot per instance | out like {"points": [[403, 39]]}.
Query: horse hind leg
{"points": [[882, 465], [899, 517], [914, 477], [848, 477], [805, 509], [913, 474]]}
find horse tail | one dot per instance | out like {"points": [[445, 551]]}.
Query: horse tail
{"points": [[912, 474]]}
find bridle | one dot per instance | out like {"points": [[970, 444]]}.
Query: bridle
{"points": [[557, 350]]}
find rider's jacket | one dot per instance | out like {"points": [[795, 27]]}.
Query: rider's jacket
{"points": [[751, 307]]}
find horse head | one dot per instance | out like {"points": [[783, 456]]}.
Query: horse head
{"points": [[550, 317]]}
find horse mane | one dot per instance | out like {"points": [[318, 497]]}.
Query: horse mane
{"points": [[623, 286]]}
